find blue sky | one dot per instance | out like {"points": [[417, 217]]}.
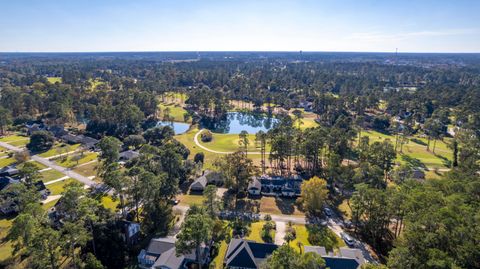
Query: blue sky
{"points": [[209, 25]]}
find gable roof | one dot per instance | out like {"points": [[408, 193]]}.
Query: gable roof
{"points": [[169, 259], [129, 154], [347, 258], [158, 246], [340, 263], [247, 254], [199, 183]]}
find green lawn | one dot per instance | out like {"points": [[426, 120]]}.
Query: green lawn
{"points": [[191, 199], [11, 138], [415, 150], [5, 246], [53, 80], [49, 205], [87, 170], [109, 203], [221, 254], [57, 187], [6, 161], [187, 140], [309, 235], [20, 143], [71, 160], [59, 149], [229, 143], [51, 174], [256, 232], [176, 111]]}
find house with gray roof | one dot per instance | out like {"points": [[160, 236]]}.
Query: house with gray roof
{"points": [[246, 254], [346, 258], [161, 254], [128, 155]]}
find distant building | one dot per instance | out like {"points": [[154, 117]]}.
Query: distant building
{"points": [[161, 254], [277, 186]]}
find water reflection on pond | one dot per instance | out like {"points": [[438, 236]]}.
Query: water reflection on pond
{"points": [[235, 122], [178, 127]]}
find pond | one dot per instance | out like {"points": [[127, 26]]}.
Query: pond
{"points": [[236, 122], [178, 127]]}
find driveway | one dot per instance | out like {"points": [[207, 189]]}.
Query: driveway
{"points": [[280, 231]]}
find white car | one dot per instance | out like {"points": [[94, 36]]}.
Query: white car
{"points": [[350, 241]]}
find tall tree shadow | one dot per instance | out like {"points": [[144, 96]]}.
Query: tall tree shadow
{"points": [[286, 206], [413, 162]]}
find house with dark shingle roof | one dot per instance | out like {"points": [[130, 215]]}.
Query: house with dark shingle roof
{"points": [[346, 258], [247, 254], [161, 254], [128, 155]]}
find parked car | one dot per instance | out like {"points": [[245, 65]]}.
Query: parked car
{"points": [[350, 241], [328, 211]]}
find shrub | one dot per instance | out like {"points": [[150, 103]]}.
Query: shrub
{"points": [[206, 136], [199, 157]]}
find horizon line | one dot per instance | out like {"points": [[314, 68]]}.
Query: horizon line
{"points": [[261, 51]]}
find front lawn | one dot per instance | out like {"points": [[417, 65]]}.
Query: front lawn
{"points": [[279, 206], [76, 159], [58, 187], [87, 170], [191, 199], [7, 161], [308, 235], [50, 175], [59, 149], [256, 232], [11, 138], [20, 143]]}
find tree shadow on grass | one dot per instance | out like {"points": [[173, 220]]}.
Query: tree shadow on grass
{"points": [[413, 162], [286, 206], [446, 162], [418, 141]]}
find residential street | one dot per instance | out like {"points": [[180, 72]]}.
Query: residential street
{"points": [[50, 164]]}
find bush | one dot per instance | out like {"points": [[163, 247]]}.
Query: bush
{"points": [[266, 233], [40, 141], [199, 157], [206, 136]]}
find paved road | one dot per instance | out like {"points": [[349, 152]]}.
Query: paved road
{"points": [[335, 224], [48, 163]]}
